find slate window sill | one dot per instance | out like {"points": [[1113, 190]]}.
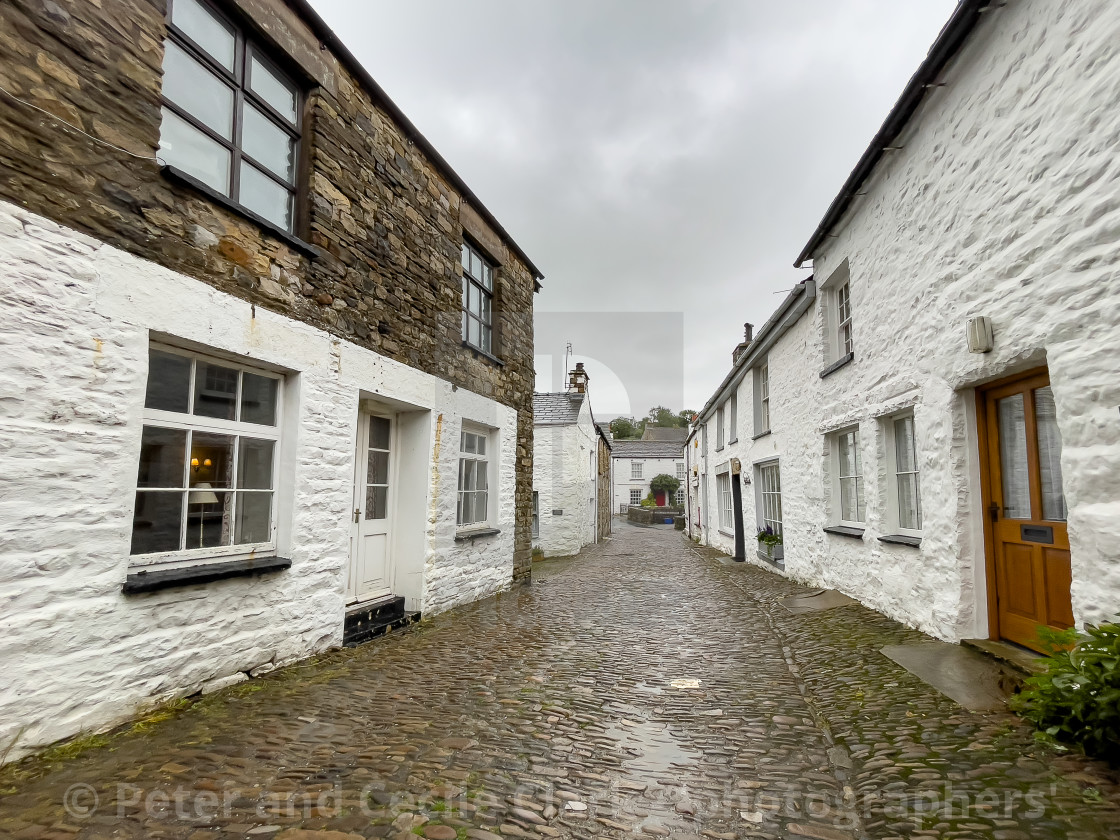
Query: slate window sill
{"points": [[479, 352], [845, 531], [772, 560], [761, 435], [901, 539], [839, 363], [477, 532], [182, 178], [732, 440], [150, 580]]}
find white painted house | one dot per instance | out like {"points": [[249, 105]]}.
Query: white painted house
{"points": [[636, 462], [931, 419], [566, 486], [230, 442]]}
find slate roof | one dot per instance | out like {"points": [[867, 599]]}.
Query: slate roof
{"points": [[665, 433], [557, 409], [647, 448]]}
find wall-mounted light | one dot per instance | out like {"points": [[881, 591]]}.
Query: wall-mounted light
{"points": [[194, 463]]}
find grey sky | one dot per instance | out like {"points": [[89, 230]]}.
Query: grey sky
{"points": [[649, 156]]}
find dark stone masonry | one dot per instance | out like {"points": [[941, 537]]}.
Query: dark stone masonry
{"points": [[385, 216]]}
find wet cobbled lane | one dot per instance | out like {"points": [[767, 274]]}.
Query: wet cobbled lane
{"points": [[643, 687]]}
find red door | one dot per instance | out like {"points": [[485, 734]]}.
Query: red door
{"points": [[660, 497]]}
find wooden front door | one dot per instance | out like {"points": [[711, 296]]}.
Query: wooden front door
{"points": [[371, 571], [1028, 544]]}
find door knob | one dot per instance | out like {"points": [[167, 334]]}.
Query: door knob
{"points": [[357, 514], [993, 511]]}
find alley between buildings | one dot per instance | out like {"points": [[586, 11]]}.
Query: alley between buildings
{"points": [[643, 687]]}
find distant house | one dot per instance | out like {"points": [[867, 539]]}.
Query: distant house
{"points": [[636, 462], [571, 471], [929, 421]]}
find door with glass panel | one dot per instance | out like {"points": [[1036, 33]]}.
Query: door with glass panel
{"points": [[1028, 541], [370, 562]]}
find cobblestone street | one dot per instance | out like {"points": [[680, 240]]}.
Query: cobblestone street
{"points": [[642, 687]]}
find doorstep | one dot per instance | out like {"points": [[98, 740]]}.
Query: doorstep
{"points": [[375, 618], [1017, 663]]}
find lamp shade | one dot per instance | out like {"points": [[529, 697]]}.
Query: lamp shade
{"points": [[202, 494]]}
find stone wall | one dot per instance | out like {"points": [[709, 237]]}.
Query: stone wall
{"points": [[388, 222], [604, 493]]}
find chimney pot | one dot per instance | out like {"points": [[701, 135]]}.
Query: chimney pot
{"points": [[748, 331]]}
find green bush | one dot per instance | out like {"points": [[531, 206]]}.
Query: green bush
{"points": [[664, 483], [1077, 699]]}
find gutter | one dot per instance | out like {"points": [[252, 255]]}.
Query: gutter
{"points": [[947, 44], [795, 305], [328, 39]]}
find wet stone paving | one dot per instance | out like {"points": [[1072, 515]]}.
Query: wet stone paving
{"points": [[644, 688]]}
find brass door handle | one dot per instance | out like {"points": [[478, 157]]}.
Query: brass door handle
{"points": [[357, 514]]}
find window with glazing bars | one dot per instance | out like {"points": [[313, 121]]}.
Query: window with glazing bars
{"points": [[473, 478], [231, 118], [478, 296], [906, 474], [850, 473], [764, 397], [636, 468], [844, 320], [205, 485], [770, 489]]}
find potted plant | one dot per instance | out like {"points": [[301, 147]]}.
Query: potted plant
{"points": [[769, 538]]}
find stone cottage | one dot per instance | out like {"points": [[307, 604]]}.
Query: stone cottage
{"points": [[267, 361], [571, 471], [933, 416], [637, 462]]}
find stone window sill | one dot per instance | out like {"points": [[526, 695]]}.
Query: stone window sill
{"points": [[845, 531], [474, 533], [727, 533], [761, 435], [839, 363], [182, 178], [732, 440], [478, 351], [901, 539], [149, 580]]}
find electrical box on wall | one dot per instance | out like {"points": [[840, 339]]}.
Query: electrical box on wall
{"points": [[980, 339]]}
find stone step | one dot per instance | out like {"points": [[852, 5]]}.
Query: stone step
{"points": [[367, 621], [1016, 663]]}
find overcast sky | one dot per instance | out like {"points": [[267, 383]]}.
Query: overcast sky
{"points": [[649, 156]]}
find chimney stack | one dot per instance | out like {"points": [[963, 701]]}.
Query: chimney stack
{"points": [[748, 336], [577, 379]]}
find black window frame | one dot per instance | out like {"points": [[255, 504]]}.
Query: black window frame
{"points": [[469, 281], [246, 48]]}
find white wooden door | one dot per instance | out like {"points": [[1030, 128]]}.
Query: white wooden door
{"points": [[371, 572]]}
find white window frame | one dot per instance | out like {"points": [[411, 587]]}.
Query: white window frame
{"points": [[733, 417], [838, 440], [894, 476], [843, 298], [681, 471], [489, 458], [235, 428], [726, 505], [679, 496], [636, 470], [719, 428], [768, 476], [762, 398], [635, 495]]}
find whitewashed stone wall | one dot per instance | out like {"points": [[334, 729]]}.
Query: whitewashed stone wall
{"points": [[652, 468], [563, 477], [80, 655], [1003, 201]]}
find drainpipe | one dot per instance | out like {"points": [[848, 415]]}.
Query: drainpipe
{"points": [[737, 511]]}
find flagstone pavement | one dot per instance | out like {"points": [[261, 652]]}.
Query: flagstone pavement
{"points": [[642, 688]]}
